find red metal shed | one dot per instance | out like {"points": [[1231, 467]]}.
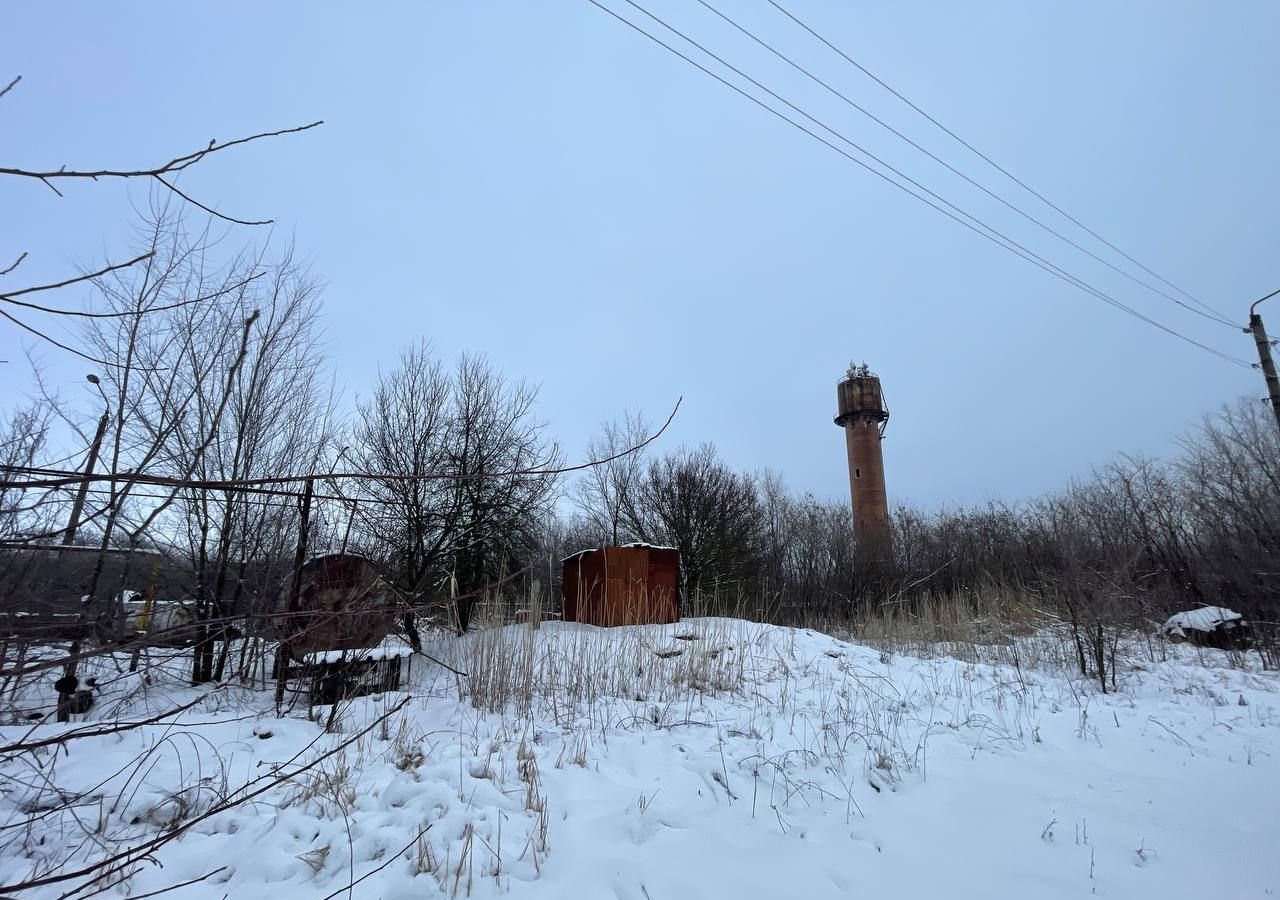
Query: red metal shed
{"points": [[632, 585]]}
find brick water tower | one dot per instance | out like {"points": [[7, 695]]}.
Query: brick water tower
{"points": [[861, 412]]}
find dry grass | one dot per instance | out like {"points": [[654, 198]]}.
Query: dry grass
{"points": [[657, 675], [990, 626], [611, 676]]}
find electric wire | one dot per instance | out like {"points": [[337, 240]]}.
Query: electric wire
{"points": [[999, 168], [135, 477], [273, 492], [1211, 316], [989, 233]]}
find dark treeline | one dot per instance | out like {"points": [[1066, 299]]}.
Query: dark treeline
{"points": [[1141, 537], [213, 367], [1137, 540]]}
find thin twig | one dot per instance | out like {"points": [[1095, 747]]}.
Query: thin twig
{"points": [[23, 746], [132, 854], [210, 211], [9, 295], [181, 884], [17, 262], [390, 860], [177, 304], [44, 337], [444, 665]]}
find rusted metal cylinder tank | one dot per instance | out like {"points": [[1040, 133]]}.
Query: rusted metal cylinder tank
{"points": [[860, 394], [862, 413], [343, 604]]}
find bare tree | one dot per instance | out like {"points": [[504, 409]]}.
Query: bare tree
{"points": [[602, 492], [161, 364], [691, 500], [494, 431], [23, 437], [275, 420], [163, 359], [474, 432], [402, 431]]}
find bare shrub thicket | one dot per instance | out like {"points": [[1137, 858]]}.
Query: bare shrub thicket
{"points": [[461, 489], [199, 391], [1121, 550]]}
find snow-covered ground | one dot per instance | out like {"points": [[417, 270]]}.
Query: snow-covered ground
{"points": [[710, 759]]}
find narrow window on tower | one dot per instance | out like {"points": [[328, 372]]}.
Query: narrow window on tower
{"points": [[857, 473]]}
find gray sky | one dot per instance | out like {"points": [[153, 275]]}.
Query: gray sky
{"points": [[540, 183]]}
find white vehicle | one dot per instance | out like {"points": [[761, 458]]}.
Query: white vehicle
{"points": [[155, 616]]}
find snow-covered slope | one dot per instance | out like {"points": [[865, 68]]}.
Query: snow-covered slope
{"points": [[710, 759]]}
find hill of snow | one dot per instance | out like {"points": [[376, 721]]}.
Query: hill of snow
{"points": [[710, 759]]}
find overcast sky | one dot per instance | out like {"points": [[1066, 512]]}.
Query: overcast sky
{"points": [[540, 183]]}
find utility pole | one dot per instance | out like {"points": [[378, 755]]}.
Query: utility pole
{"points": [[1264, 355], [77, 507], [67, 684], [295, 590]]}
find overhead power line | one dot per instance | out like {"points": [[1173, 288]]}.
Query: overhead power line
{"points": [[132, 478], [74, 477], [999, 168], [942, 162], [978, 227]]}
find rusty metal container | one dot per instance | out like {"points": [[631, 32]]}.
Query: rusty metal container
{"points": [[860, 395], [637, 584], [344, 604]]}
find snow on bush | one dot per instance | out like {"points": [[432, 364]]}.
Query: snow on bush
{"points": [[1206, 619]]}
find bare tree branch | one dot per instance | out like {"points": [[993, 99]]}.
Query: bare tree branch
{"points": [[8, 87], [177, 164], [54, 341], [89, 276], [17, 262], [209, 210], [127, 313], [198, 457], [23, 746], [135, 853], [181, 884]]}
